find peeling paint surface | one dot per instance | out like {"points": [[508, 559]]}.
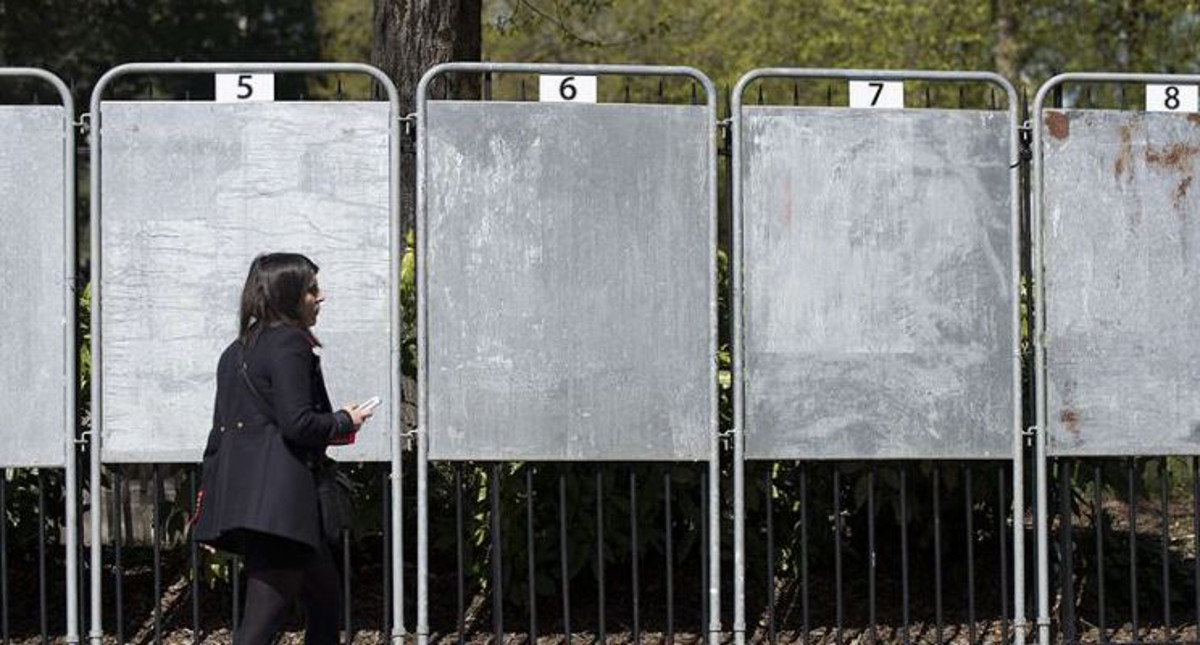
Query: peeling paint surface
{"points": [[878, 288], [191, 193], [568, 281], [32, 311], [1122, 290]]}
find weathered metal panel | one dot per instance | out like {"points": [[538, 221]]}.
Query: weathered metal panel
{"points": [[32, 311], [568, 281], [191, 192], [1122, 278], [878, 295]]}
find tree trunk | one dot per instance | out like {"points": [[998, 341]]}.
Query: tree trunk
{"points": [[1007, 51], [410, 36]]}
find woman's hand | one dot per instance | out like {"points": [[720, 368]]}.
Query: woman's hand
{"points": [[358, 415]]}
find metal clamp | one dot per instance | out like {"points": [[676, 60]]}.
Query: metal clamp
{"points": [[1030, 434], [725, 132], [408, 133], [84, 124], [1025, 151], [410, 438]]}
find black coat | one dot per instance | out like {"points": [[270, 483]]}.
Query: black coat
{"points": [[256, 473]]}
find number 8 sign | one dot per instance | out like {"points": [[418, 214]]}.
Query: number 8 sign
{"points": [[1171, 98], [566, 89]]}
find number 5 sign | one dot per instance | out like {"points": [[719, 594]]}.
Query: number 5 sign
{"points": [[566, 89], [235, 88]]}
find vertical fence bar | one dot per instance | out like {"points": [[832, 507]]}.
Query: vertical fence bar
{"points": [[1066, 540], [600, 635], [704, 610], [564, 555], [968, 495], [41, 501], [904, 606], [236, 580], [1133, 586], [460, 574], [804, 552], [347, 608], [530, 560], [4, 555], [937, 547], [194, 560], [497, 558], [385, 495], [118, 535], [157, 542], [1098, 528], [837, 554], [770, 495], [872, 554], [82, 553], [669, 555], [633, 550], [1002, 533], [1196, 535], [1166, 549]]}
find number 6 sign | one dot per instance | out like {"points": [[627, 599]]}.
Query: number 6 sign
{"points": [[236, 88], [566, 89]]}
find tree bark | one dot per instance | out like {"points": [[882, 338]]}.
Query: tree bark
{"points": [[1008, 49], [409, 37]]}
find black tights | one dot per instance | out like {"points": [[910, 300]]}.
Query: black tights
{"points": [[279, 572]]}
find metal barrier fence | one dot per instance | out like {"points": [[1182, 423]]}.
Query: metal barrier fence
{"points": [[559, 246], [568, 313], [38, 374], [1115, 278], [875, 304], [183, 196]]}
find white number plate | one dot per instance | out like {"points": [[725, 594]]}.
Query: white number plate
{"points": [[1171, 98], [876, 94], [567, 89], [235, 88]]}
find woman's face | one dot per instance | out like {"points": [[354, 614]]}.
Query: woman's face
{"points": [[310, 307]]}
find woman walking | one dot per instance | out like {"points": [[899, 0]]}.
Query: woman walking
{"points": [[272, 422]]}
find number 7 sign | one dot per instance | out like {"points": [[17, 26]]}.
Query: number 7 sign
{"points": [[876, 94]]}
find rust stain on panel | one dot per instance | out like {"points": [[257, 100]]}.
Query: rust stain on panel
{"points": [[1181, 191], [1058, 124], [1177, 156], [1069, 419], [1125, 156]]}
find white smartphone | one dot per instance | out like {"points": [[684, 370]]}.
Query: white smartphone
{"points": [[370, 405]]}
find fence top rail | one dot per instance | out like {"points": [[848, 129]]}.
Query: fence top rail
{"points": [[64, 92], [127, 69], [710, 89], [1106, 77], [874, 75]]}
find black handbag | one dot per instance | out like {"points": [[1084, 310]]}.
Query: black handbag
{"points": [[334, 499], [335, 491]]}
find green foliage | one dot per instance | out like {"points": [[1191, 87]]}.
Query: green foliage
{"points": [[726, 39]]}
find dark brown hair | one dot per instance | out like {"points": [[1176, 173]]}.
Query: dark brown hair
{"points": [[273, 293]]}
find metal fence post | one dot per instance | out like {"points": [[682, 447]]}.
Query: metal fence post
{"points": [[68, 328]]}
